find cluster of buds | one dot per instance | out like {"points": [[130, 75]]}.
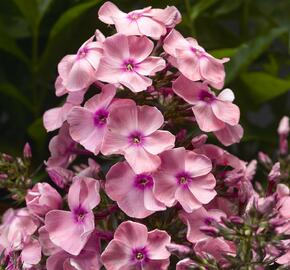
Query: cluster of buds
{"points": [[15, 175]]}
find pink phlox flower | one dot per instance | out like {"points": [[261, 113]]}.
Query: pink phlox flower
{"points": [[198, 218], [126, 61], [133, 247], [133, 192], [212, 113], [147, 21], [88, 124], [184, 177], [133, 132], [71, 230], [193, 61], [78, 71]]}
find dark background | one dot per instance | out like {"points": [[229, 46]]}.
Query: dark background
{"points": [[36, 34]]}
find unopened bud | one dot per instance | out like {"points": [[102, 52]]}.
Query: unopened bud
{"points": [[283, 131], [198, 141], [275, 173], [27, 151], [236, 220], [178, 249], [209, 230], [7, 157], [264, 158], [3, 176]]}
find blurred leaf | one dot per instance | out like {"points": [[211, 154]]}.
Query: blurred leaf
{"points": [[250, 51], [29, 10], [264, 87], [220, 53], [9, 45], [11, 91], [37, 132], [61, 27], [227, 6], [43, 6], [200, 7]]}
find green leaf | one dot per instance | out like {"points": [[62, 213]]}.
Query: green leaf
{"points": [[43, 6], [220, 53], [37, 132], [11, 91], [200, 7], [29, 10], [250, 51], [264, 87], [227, 6], [9, 45]]}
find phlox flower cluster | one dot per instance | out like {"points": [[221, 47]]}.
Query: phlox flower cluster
{"points": [[133, 182]]}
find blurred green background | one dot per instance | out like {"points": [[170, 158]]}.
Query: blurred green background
{"points": [[36, 34]]}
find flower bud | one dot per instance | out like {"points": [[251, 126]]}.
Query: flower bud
{"points": [[236, 220], [42, 198], [179, 250], [3, 176], [27, 153], [275, 173], [264, 158], [198, 141], [209, 230], [283, 131]]}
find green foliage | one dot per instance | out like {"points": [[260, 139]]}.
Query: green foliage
{"points": [[36, 34]]}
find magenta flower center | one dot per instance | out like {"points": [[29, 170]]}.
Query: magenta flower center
{"points": [[79, 214], [82, 52], [136, 138], [139, 255], [206, 96], [129, 65], [143, 181], [208, 221], [183, 179], [197, 52], [100, 117]]}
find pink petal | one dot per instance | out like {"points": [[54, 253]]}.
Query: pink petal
{"points": [[226, 112], [173, 41], [66, 233], [84, 192], [151, 203], [170, 16], [212, 71], [149, 119], [151, 65], [76, 98], [140, 47], [157, 242], [141, 160], [114, 143], [132, 234], [205, 118], [83, 129], [116, 48], [64, 67], [102, 100], [116, 255], [94, 54], [31, 253], [173, 161], [80, 76], [53, 119], [197, 165], [229, 134], [150, 27], [186, 199], [108, 71], [60, 90], [159, 141], [226, 95], [134, 81], [108, 11], [188, 90], [47, 247]]}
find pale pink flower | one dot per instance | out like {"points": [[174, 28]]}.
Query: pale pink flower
{"points": [[55, 117], [88, 124], [133, 247], [230, 134], [61, 148], [78, 71], [71, 230], [60, 176], [42, 198], [87, 259], [132, 132], [184, 177], [126, 61], [147, 21], [31, 253], [216, 247], [193, 61], [211, 112], [17, 225], [198, 218], [133, 192]]}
